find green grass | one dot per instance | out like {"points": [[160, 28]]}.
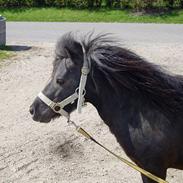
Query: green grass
{"points": [[4, 55], [5, 52], [101, 15]]}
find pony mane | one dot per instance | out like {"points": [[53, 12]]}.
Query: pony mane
{"points": [[125, 69]]}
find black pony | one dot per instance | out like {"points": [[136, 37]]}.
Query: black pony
{"points": [[141, 104]]}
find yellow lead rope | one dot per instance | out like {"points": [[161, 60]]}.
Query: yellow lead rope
{"points": [[144, 172]]}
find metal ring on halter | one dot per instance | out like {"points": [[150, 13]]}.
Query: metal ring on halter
{"points": [[56, 108], [77, 91]]}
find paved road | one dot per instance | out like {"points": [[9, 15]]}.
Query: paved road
{"points": [[49, 32]]}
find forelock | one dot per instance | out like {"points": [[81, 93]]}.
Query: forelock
{"points": [[64, 44]]}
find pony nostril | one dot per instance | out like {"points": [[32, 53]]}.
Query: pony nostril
{"points": [[31, 110]]}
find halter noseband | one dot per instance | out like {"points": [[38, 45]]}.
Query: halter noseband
{"points": [[79, 93]]}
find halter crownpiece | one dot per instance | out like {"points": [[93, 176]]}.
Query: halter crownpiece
{"points": [[58, 107]]}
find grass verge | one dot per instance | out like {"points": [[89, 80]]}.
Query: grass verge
{"points": [[100, 15], [5, 52]]}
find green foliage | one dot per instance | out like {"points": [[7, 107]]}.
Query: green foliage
{"points": [[5, 53], [60, 3], [133, 4], [38, 2], [139, 5], [16, 3], [78, 3]]}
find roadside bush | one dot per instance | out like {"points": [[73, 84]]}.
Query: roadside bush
{"points": [[77, 3], [138, 5], [16, 3], [38, 3], [56, 3], [60, 3]]}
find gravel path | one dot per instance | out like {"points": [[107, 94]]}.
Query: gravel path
{"points": [[54, 152]]}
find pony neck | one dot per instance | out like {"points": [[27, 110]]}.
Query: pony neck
{"points": [[120, 107], [114, 109], [110, 105]]}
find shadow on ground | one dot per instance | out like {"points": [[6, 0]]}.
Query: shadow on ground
{"points": [[15, 48]]}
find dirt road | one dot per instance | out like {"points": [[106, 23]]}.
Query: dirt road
{"points": [[31, 152]]}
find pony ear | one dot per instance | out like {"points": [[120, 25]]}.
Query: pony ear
{"points": [[75, 53]]}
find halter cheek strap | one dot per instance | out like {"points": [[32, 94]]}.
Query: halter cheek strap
{"points": [[84, 73], [79, 94]]}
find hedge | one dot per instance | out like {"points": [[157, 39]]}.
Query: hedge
{"points": [[134, 4]]}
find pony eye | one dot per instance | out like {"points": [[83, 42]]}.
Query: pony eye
{"points": [[60, 81]]}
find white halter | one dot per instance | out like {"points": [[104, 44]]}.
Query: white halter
{"points": [[79, 94]]}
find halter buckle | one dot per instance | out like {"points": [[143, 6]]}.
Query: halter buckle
{"points": [[85, 70]]}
